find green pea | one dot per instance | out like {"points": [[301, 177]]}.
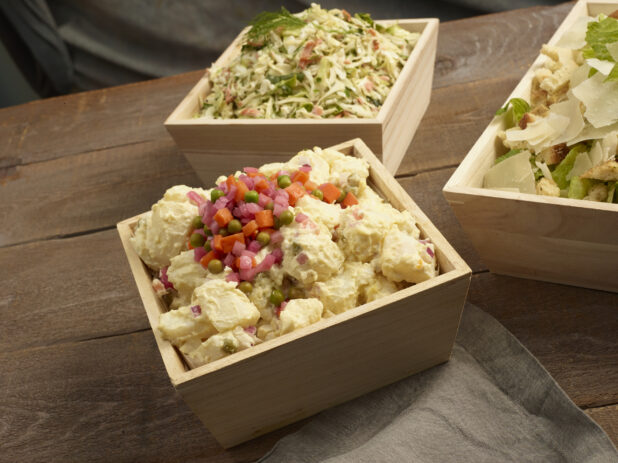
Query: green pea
{"points": [[286, 217], [215, 266], [263, 238], [234, 226], [276, 223], [245, 286], [318, 194], [284, 181], [270, 206], [216, 194], [252, 196], [276, 297], [228, 346], [207, 231], [197, 240], [223, 232], [207, 246], [296, 293], [197, 222]]}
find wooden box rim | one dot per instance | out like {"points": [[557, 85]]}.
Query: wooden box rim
{"points": [[452, 266], [460, 181], [430, 27]]}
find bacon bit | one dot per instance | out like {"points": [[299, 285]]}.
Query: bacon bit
{"points": [[614, 15], [338, 116], [345, 113], [305, 54], [523, 122], [372, 32], [251, 112], [376, 45], [368, 85], [228, 96], [347, 16], [346, 61], [561, 150], [385, 78], [317, 110]]}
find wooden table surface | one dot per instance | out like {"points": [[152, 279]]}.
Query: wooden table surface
{"points": [[80, 375]]}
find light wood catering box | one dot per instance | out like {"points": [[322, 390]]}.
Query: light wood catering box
{"points": [[234, 143], [283, 380], [545, 238]]}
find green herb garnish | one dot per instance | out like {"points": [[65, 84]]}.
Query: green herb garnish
{"points": [[267, 21], [365, 17]]}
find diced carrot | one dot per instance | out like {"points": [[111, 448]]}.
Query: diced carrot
{"points": [[264, 218], [253, 174], [295, 191], [189, 246], [223, 216], [249, 228], [349, 200], [210, 255], [217, 242], [310, 186], [237, 262], [240, 192], [330, 191], [300, 176], [261, 185], [228, 242], [253, 262], [231, 180]]}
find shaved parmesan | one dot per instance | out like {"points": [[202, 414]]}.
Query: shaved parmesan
{"points": [[545, 170], [612, 48], [600, 99], [591, 133], [582, 164], [604, 67], [514, 172], [596, 154], [570, 110], [579, 75], [575, 37], [540, 133], [609, 145]]}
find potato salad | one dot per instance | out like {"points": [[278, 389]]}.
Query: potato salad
{"points": [[314, 64], [562, 140], [273, 249]]}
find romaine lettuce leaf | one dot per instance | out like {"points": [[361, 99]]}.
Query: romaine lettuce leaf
{"points": [[519, 107], [578, 188], [599, 34]]}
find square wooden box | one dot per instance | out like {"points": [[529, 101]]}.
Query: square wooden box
{"points": [[560, 240], [235, 143], [334, 360]]}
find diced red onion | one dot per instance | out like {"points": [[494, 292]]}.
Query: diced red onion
{"points": [[278, 209], [276, 237], [263, 200], [208, 212], [282, 172], [196, 198], [247, 181], [251, 330], [282, 201], [430, 251], [223, 186], [300, 217], [245, 262], [305, 168], [245, 220], [197, 310], [164, 280], [278, 255], [253, 208], [233, 277], [199, 231], [425, 241], [283, 193], [238, 248], [255, 246], [248, 253], [198, 253], [270, 191], [266, 264], [221, 202], [250, 170], [302, 258], [214, 227], [229, 260]]}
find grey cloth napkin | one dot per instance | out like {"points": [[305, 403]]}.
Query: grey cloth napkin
{"points": [[492, 402]]}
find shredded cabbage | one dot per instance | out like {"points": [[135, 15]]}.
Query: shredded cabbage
{"points": [[314, 64]]}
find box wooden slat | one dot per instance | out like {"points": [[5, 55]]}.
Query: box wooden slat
{"points": [[301, 373], [210, 145], [545, 238]]}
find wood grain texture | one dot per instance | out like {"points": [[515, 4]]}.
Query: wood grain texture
{"points": [[58, 127], [99, 401], [495, 46], [572, 331], [88, 191], [83, 279], [607, 418]]}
